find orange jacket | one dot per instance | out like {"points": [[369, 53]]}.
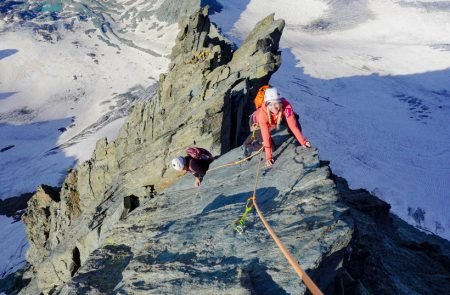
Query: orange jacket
{"points": [[261, 117]]}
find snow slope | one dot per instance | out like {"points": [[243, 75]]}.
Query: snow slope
{"points": [[370, 79], [69, 72], [13, 245], [64, 83], [371, 82]]}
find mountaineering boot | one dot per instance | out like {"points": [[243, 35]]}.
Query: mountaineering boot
{"points": [[247, 151]]}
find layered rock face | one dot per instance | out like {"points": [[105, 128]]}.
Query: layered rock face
{"points": [[171, 10], [39, 218], [182, 241], [124, 223], [387, 255], [203, 100]]}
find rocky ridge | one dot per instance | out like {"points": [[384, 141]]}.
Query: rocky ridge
{"points": [[182, 241], [123, 224], [204, 99], [387, 255]]}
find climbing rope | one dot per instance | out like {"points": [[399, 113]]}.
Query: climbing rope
{"points": [[300, 272], [249, 206], [236, 162], [226, 165]]}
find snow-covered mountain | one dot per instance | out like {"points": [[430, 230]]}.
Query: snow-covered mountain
{"points": [[68, 76], [371, 82], [69, 72]]}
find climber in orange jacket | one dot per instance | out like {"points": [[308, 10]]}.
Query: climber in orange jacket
{"points": [[269, 116]]}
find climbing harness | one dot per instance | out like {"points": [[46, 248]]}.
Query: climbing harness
{"points": [[239, 225]]}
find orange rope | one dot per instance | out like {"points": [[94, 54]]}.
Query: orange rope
{"points": [[300, 272]]}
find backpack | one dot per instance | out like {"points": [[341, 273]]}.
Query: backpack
{"points": [[199, 154], [259, 98]]}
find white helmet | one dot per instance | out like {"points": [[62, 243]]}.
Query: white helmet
{"points": [[271, 95], [178, 163]]}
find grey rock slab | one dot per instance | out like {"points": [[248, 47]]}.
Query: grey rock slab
{"points": [[203, 100], [183, 242]]}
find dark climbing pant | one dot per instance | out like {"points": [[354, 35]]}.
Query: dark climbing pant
{"points": [[253, 143]]}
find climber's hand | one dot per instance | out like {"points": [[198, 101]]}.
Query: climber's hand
{"points": [[269, 163]]}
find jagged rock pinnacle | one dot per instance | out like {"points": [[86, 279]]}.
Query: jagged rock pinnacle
{"points": [[204, 100]]}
